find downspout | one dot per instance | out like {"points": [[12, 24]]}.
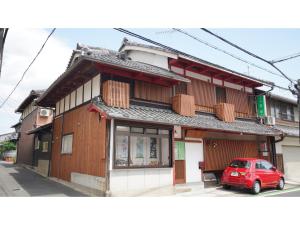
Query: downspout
{"points": [[273, 148], [109, 154]]}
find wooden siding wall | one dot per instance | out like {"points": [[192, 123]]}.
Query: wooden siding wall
{"points": [[152, 92], [239, 99], [184, 105], [225, 112], [25, 144], [88, 153], [219, 153], [205, 94], [116, 94]]}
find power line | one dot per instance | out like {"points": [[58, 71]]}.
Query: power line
{"points": [[226, 52], [3, 31], [38, 53], [286, 58], [252, 54], [168, 48]]}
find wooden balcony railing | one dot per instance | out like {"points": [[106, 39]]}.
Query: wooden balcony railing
{"points": [[116, 94], [225, 112], [184, 104]]}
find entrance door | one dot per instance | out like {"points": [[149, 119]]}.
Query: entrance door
{"points": [[179, 162], [291, 162], [193, 155]]}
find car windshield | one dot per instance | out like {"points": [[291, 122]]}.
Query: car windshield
{"points": [[240, 164]]}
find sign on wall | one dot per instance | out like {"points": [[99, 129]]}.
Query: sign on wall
{"points": [[179, 150], [177, 132], [261, 106]]}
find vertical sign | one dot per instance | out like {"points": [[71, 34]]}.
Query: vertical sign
{"points": [[179, 150], [261, 106]]}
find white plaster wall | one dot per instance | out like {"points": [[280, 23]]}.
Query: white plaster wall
{"points": [[127, 180], [57, 109], [177, 70], [198, 76], [96, 86], [79, 95], [234, 86], [67, 102], [87, 91], [73, 100], [61, 105], [149, 58]]}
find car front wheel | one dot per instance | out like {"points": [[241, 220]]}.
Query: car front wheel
{"points": [[256, 187], [280, 185]]}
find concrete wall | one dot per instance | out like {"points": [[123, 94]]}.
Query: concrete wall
{"points": [[89, 181], [129, 180]]}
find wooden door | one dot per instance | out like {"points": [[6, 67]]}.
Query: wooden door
{"points": [[180, 175]]}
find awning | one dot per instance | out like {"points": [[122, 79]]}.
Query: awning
{"points": [[201, 121]]}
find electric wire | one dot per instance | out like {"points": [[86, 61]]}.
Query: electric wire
{"points": [[226, 52], [251, 54], [169, 48], [38, 53]]}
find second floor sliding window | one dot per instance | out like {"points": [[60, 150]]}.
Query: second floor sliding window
{"points": [[142, 147], [282, 110], [220, 95]]}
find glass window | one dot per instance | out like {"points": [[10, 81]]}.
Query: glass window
{"points": [[122, 128], [36, 143], [45, 146], [240, 164], [165, 152], [139, 149], [137, 130], [163, 131], [266, 165], [121, 150], [67, 142], [220, 95], [151, 131]]}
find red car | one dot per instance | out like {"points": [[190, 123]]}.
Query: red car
{"points": [[253, 174]]}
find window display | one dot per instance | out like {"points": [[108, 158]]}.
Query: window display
{"points": [[142, 147]]}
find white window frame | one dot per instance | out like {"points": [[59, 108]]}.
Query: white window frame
{"points": [[67, 144]]}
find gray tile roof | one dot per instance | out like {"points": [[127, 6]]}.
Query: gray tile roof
{"points": [[127, 42], [289, 131], [169, 117], [113, 58]]}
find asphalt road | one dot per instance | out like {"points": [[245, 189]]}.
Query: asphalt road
{"points": [[21, 182]]}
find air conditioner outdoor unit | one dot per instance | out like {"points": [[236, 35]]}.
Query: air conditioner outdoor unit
{"points": [[269, 120], [45, 112]]}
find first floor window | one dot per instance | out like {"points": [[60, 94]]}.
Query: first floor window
{"points": [[45, 146], [141, 147], [67, 142]]}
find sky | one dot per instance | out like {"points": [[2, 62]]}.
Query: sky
{"points": [[22, 45]]}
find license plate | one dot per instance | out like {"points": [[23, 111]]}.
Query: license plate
{"points": [[234, 174]]}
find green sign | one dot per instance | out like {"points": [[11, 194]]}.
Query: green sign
{"points": [[179, 150], [261, 106]]}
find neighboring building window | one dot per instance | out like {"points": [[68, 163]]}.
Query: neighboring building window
{"points": [[67, 144], [142, 147], [220, 95], [282, 110], [45, 146], [36, 143]]}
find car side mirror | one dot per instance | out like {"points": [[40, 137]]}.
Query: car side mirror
{"points": [[273, 168]]}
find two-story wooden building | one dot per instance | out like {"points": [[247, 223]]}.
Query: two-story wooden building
{"points": [[145, 117], [32, 117], [285, 114]]}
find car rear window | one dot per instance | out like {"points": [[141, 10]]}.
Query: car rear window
{"points": [[240, 164]]}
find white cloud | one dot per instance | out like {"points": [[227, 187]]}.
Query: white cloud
{"points": [[20, 48]]}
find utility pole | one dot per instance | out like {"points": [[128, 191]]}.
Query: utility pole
{"points": [[298, 101]]}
